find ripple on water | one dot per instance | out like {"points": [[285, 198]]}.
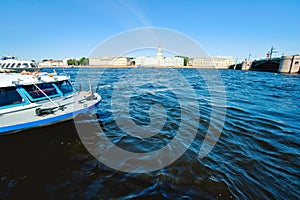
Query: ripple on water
{"points": [[256, 156]]}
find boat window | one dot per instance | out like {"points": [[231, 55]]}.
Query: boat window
{"points": [[18, 65], [37, 93], [64, 86], [9, 96], [25, 65], [13, 65], [7, 65], [32, 65]]}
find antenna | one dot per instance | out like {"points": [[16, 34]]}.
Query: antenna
{"points": [[90, 84], [272, 51]]}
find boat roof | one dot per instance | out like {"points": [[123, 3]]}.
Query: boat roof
{"points": [[15, 79], [16, 61], [8, 57]]}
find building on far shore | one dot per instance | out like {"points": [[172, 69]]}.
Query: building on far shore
{"points": [[159, 60], [52, 63], [110, 61], [145, 61], [219, 62]]}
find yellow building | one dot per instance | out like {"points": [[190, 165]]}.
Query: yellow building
{"points": [[109, 61], [52, 63]]}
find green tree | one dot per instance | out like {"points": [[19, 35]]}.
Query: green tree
{"points": [[185, 61], [83, 61], [71, 62]]}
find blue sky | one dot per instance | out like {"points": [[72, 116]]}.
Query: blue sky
{"points": [[58, 29]]}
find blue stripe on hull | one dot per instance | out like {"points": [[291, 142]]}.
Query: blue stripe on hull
{"points": [[44, 122]]}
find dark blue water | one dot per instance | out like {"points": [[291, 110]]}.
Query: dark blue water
{"points": [[256, 157]]}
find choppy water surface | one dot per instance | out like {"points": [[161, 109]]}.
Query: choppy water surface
{"points": [[256, 157]]}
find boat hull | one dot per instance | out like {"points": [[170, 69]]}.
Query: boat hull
{"points": [[17, 70]]}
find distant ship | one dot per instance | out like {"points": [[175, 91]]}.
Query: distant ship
{"points": [[12, 64], [284, 64]]}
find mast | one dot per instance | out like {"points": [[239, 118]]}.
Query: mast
{"points": [[272, 51]]}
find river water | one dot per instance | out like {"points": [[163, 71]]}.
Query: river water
{"points": [[257, 155]]}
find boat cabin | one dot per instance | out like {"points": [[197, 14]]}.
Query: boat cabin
{"points": [[18, 90]]}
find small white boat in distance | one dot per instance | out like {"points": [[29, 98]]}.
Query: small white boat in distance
{"points": [[29, 100], [12, 64]]}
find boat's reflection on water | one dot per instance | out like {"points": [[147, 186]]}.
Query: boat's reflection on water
{"points": [[35, 162]]}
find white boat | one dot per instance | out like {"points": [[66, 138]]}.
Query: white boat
{"points": [[12, 64], [39, 99]]}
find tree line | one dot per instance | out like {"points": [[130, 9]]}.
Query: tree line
{"points": [[73, 61], [81, 61]]}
